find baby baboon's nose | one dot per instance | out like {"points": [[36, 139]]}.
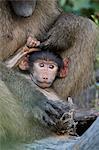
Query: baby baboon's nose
{"points": [[45, 78]]}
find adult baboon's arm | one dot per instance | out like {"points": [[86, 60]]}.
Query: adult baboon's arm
{"points": [[34, 102]]}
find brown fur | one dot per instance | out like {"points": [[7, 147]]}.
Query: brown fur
{"points": [[76, 36], [14, 30], [82, 57]]}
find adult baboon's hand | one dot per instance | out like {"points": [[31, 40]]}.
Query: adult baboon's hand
{"points": [[48, 41], [49, 112]]}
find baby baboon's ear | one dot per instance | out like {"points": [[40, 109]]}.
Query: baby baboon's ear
{"points": [[24, 64], [64, 71]]}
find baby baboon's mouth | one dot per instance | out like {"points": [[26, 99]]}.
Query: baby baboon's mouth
{"points": [[43, 84]]}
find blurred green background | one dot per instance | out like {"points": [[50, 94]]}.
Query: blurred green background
{"points": [[87, 8]]}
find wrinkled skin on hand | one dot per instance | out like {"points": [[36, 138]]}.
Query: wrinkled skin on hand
{"points": [[49, 112]]}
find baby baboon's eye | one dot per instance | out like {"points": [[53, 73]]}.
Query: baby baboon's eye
{"points": [[51, 66], [41, 64]]}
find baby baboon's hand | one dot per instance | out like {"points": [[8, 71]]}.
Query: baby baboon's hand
{"points": [[32, 42]]}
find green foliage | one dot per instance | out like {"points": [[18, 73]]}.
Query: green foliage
{"points": [[95, 19], [89, 8]]}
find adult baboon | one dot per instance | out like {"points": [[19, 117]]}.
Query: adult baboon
{"points": [[70, 35]]}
